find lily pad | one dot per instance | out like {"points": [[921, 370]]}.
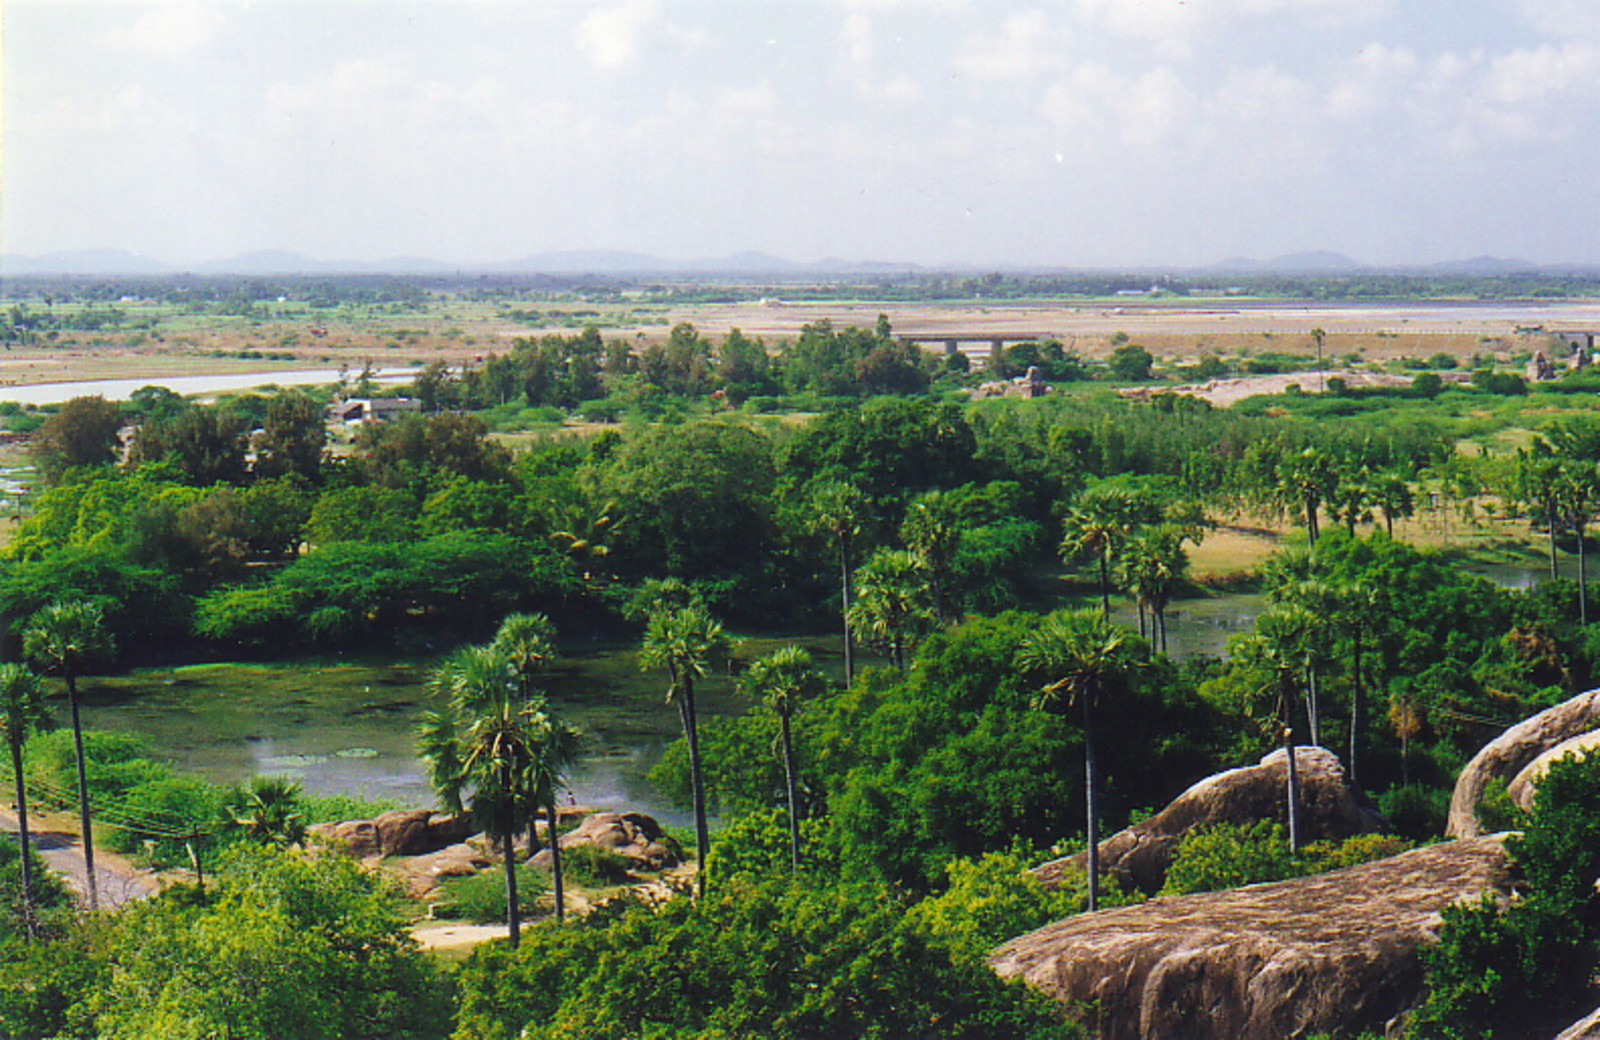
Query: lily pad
{"points": [[357, 752]]}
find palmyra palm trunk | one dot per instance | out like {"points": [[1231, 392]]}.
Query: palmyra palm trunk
{"points": [[1091, 808], [1293, 783], [697, 786], [557, 888], [83, 795], [844, 613], [22, 834], [794, 799], [513, 908]]}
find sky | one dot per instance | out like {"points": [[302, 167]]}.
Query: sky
{"points": [[1084, 133]]}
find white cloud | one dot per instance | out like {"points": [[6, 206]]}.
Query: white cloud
{"points": [[1096, 104], [1020, 49], [168, 29], [611, 36]]}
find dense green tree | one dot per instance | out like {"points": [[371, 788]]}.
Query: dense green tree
{"points": [[82, 432], [1130, 363], [292, 438], [66, 638], [205, 443]]}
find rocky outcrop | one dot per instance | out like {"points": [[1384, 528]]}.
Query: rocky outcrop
{"points": [[634, 836], [423, 874], [1526, 783], [400, 832], [1140, 855], [1334, 952], [1512, 751]]}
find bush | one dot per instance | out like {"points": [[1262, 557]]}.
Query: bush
{"points": [[594, 867], [782, 959], [481, 898], [1497, 968]]}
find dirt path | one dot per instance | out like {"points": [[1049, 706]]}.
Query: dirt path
{"points": [[119, 880]]}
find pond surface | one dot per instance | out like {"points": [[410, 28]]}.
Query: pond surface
{"points": [[349, 726]]}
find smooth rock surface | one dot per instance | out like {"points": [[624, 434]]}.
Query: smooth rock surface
{"points": [[1512, 751], [400, 832], [1336, 951], [1587, 1028], [1140, 855], [636, 836], [1526, 783]]}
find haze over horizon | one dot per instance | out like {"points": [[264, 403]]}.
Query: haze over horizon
{"points": [[943, 133]]}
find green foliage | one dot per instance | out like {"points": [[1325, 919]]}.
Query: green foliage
{"points": [[1497, 966], [993, 898], [287, 946], [1226, 855], [782, 959], [594, 867], [481, 898], [1130, 363]]}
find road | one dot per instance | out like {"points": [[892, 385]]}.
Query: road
{"points": [[119, 880]]}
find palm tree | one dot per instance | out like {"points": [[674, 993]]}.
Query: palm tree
{"points": [[555, 749], [1307, 479], [1276, 645], [837, 510], [1152, 565], [782, 680], [684, 640], [1080, 654], [891, 607], [64, 637], [267, 810], [1095, 526], [22, 711], [483, 739], [932, 532], [528, 642]]}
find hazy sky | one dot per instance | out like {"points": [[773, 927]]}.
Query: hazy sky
{"points": [[1081, 132]]}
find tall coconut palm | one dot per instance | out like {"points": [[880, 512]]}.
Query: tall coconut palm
{"points": [[837, 510], [782, 680], [22, 711], [1080, 655], [483, 739], [684, 641], [65, 638], [891, 608]]}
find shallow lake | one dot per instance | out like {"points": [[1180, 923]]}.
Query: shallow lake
{"points": [[349, 725]]}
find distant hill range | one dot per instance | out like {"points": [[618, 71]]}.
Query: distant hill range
{"points": [[747, 265]]}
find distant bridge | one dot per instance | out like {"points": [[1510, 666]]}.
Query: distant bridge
{"points": [[978, 345]]}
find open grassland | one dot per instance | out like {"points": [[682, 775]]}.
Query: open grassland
{"points": [[161, 339]]}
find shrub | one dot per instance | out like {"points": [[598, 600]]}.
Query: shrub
{"points": [[481, 898]]}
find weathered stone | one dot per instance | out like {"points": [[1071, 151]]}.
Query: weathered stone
{"points": [[1140, 855], [635, 836], [1337, 951], [1526, 783], [1511, 752], [400, 832], [423, 874]]}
